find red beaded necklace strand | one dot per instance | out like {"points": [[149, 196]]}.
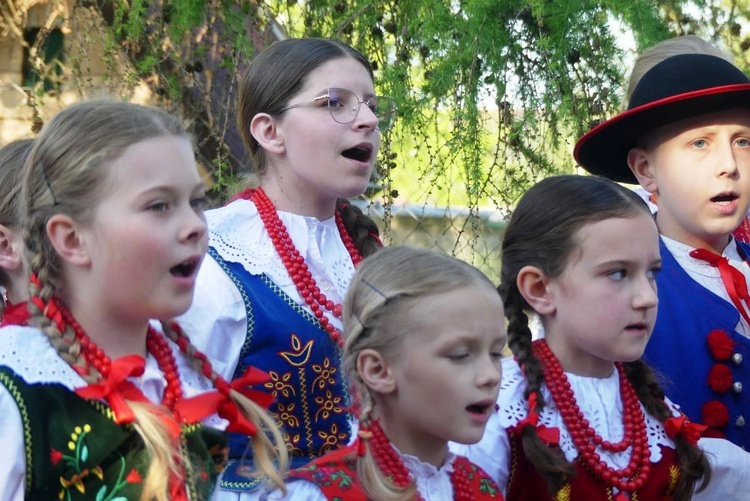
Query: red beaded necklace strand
{"points": [[585, 438], [295, 263], [156, 345], [392, 466]]}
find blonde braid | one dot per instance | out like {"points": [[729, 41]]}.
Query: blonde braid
{"points": [[269, 451], [375, 484], [61, 336], [148, 417]]}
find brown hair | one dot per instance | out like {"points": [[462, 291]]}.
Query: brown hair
{"points": [[273, 77], [384, 291], [542, 233]]}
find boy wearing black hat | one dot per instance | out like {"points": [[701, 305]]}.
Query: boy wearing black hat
{"points": [[685, 138]]}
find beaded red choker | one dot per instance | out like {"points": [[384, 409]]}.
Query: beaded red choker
{"points": [[95, 357], [585, 438], [114, 387], [393, 467], [295, 263]]}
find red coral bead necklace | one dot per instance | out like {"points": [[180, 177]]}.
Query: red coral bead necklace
{"points": [[156, 345], [295, 264], [392, 466], [585, 438]]}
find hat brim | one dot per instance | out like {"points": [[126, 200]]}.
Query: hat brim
{"points": [[603, 150]]}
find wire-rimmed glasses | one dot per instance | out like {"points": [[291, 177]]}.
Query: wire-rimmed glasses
{"points": [[344, 106]]}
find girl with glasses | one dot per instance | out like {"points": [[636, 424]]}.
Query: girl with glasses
{"points": [[282, 253]]}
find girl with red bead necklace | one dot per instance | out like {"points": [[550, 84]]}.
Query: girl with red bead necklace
{"points": [[580, 416], [282, 253], [424, 339], [13, 274], [105, 397]]}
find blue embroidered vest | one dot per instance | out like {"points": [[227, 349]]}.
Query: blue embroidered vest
{"points": [[312, 399], [679, 350]]}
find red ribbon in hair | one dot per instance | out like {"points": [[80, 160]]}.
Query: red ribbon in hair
{"points": [[550, 436], [50, 310], [681, 425], [218, 401], [364, 433], [115, 388]]}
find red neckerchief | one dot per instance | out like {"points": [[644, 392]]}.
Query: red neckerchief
{"points": [[733, 279], [16, 314]]}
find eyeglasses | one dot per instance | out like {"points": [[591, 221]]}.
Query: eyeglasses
{"points": [[344, 106]]}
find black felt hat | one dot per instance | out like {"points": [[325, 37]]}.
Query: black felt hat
{"points": [[677, 88]]}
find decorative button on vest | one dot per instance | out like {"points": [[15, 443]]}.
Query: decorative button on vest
{"points": [[737, 358], [740, 421], [737, 387]]}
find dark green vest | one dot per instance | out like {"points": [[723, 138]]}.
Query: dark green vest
{"points": [[75, 451]]}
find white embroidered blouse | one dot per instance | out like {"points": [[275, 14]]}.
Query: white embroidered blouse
{"points": [[216, 322], [600, 403]]}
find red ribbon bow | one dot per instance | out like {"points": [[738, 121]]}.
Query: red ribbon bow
{"points": [[550, 436], [17, 314], [218, 401], [733, 279], [116, 388], [681, 425]]}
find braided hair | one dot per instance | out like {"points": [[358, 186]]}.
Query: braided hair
{"points": [[66, 173], [541, 233], [384, 292]]}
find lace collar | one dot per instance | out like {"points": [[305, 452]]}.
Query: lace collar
{"points": [[599, 400]]}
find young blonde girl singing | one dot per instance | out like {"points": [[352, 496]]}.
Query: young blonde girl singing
{"points": [[580, 416], [13, 274], [282, 253], [424, 338], [95, 401]]}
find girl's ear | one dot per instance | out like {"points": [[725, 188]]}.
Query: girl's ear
{"points": [[265, 129], [640, 163], [375, 372], [10, 254], [66, 237], [533, 284]]}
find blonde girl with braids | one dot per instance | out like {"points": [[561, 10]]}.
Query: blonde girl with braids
{"points": [[580, 416], [14, 277], [282, 253], [104, 397], [424, 339]]}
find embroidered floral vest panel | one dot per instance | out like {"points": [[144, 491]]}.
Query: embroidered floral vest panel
{"points": [[336, 476], [75, 451], [311, 397]]}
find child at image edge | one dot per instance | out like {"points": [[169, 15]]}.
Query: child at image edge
{"points": [[685, 138], [96, 401], [13, 274], [580, 416], [424, 339]]}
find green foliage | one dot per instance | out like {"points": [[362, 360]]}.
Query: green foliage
{"points": [[492, 93]]}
